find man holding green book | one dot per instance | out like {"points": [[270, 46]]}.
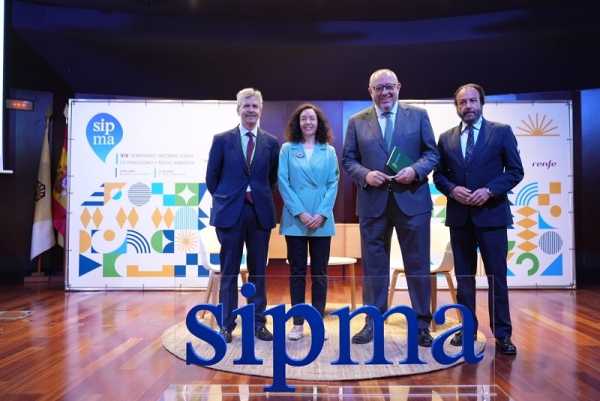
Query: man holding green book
{"points": [[388, 198]]}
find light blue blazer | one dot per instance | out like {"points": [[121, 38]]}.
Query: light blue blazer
{"points": [[307, 187]]}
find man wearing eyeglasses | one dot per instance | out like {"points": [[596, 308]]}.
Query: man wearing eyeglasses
{"points": [[388, 200]]}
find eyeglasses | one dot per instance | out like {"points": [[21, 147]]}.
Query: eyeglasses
{"points": [[388, 87]]}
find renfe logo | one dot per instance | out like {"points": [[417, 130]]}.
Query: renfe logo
{"points": [[103, 132], [314, 320]]}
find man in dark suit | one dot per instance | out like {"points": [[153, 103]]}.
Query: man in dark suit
{"points": [[386, 200], [241, 176], [479, 164]]}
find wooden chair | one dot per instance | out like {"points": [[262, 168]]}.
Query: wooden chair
{"points": [[444, 266], [209, 244]]}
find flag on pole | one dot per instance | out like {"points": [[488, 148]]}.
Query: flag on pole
{"points": [[42, 233], [59, 191]]}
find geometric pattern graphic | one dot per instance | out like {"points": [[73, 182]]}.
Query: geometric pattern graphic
{"points": [[109, 191], [163, 241], [123, 217], [545, 199], [85, 241], [95, 199], [527, 223], [529, 258], [167, 217], [87, 265], [542, 223], [510, 254], [537, 128], [187, 241], [138, 242], [533, 224], [109, 236], [180, 224], [186, 218], [439, 204], [555, 268], [187, 194], [527, 194], [532, 230], [551, 242], [139, 194], [87, 216], [113, 191], [157, 188], [135, 271], [176, 230], [135, 213], [109, 268], [192, 261]]}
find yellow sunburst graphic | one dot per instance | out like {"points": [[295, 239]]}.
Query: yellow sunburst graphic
{"points": [[537, 127], [186, 241]]}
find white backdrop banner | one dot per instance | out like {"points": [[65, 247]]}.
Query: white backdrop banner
{"points": [[138, 198], [137, 193], [541, 243]]}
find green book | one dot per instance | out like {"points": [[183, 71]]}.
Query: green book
{"points": [[398, 160]]}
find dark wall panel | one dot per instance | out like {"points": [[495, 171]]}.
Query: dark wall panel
{"points": [[587, 189], [25, 135]]}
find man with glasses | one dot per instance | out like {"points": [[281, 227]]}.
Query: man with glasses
{"points": [[388, 200]]}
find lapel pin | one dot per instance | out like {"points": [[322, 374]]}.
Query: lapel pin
{"points": [[299, 155]]}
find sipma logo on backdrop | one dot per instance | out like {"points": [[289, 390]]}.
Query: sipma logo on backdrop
{"points": [[103, 133], [280, 357]]}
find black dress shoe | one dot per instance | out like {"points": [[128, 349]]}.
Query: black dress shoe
{"points": [[457, 340], [226, 334], [262, 333], [425, 339], [364, 336], [505, 346]]}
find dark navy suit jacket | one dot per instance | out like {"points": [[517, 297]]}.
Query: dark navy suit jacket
{"points": [[228, 176], [496, 164]]}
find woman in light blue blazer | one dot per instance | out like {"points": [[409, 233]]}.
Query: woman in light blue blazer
{"points": [[308, 182]]}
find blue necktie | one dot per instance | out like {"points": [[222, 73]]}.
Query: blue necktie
{"points": [[470, 145], [389, 129]]}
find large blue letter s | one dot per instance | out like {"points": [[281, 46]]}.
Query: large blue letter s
{"points": [[203, 332]]}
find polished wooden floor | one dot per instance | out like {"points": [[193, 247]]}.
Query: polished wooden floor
{"points": [[107, 345]]}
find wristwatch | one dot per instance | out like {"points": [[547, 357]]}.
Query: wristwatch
{"points": [[490, 193]]}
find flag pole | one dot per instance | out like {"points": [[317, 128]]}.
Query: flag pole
{"points": [[42, 232], [64, 237]]}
